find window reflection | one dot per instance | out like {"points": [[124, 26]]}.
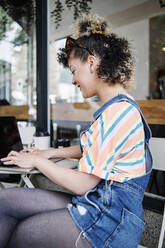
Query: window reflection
{"points": [[17, 60], [61, 87]]}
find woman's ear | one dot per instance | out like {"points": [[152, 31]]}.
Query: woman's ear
{"points": [[92, 63]]}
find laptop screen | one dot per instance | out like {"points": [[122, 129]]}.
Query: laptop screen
{"points": [[9, 136]]}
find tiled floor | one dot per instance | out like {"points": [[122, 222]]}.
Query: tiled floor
{"points": [[151, 231]]}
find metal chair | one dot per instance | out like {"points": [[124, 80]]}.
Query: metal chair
{"points": [[157, 146]]}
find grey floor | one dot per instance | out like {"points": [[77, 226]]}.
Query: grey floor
{"points": [[152, 227]]}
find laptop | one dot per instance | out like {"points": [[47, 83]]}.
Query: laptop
{"points": [[10, 139]]}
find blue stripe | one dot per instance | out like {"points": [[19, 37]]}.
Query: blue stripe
{"points": [[89, 162], [102, 128], [89, 142], [110, 159], [132, 131], [114, 171], [118, 147], [106, 176], [117, 121], [130, 163], [90, 131], [108, 162], [133, 148]]}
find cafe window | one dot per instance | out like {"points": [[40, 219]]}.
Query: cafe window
{"points": [[17, 53], [5, 80], [61, 88]]}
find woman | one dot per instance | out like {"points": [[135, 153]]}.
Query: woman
{"points": [[114, 166]]}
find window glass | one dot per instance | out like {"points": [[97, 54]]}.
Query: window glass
{"points": [[61, 88], [17, 57]]}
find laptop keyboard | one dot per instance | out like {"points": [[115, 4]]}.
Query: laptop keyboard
{"points": [[1, 163]]}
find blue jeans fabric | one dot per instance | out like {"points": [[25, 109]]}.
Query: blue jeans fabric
{"points": [[110, 215]]}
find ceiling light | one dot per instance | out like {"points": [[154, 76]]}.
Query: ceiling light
{"points": [[163, 48]]}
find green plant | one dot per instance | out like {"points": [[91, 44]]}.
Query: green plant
{"points": [[21, 12], [20, 38], [78, 6], [24, 14], [5, 23]]}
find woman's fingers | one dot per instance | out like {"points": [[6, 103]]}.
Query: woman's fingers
{"points": [[12, 153], [22, 160], [12, 156], [30, 149], [9, 162], [12, 159]]}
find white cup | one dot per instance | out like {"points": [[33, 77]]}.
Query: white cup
{"points": [[41, 142]]}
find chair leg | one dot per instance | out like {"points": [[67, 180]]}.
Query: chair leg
{"points": [[1, 186], [154, 181], [27, 181], [162, 231]]}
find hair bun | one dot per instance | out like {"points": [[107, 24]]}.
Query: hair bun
{"points": [[90, 24]]}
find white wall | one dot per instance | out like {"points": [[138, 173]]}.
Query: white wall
{"points": [[104, 8], [138, 34]]}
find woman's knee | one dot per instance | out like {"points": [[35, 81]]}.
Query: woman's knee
{"points": [[48, 230], [6, 198], [23, 236], [10, 199]]}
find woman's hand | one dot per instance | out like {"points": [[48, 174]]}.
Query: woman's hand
{"points": [[23, 160], [35, 151]]}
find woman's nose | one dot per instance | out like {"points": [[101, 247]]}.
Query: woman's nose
{"points": [[74, 82]]}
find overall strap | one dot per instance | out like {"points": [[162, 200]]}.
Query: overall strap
{"points": [[147, 130]]}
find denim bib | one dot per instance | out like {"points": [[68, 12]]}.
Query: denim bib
{"points": [[110, 215]]}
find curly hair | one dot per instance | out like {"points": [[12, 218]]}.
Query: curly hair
{"points": [[114, 53]]}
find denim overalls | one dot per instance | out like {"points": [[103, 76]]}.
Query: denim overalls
{"points": [[110, 215]]}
